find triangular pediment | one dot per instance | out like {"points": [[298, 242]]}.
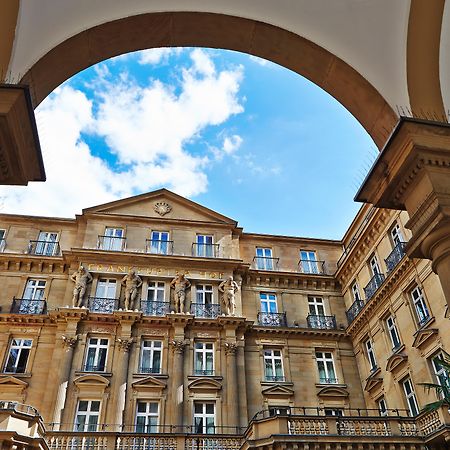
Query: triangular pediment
{"points": [[204, 384], [423, 336], [333, 391], [278, 391], [372, 383], [8, 382], [149, 383], [161, 204], [395, 361]]}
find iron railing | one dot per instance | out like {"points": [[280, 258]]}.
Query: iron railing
{"points": [[28, 306], [272, 319], [207, 311], [102, 305], [111, 243], [373, 285], [159, 247], [151, 308], [275, 378], [397, 254], [204, 372], [94, 367], [311, 267], [205, 250], [354, 310], [265, 263], [44, 248], [321, 322], [156, 370]]}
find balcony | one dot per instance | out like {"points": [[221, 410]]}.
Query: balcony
{"points": [[158, 247], [204, 372], [265, 263], [272, 319], [153, 370], [373, 285], [395, 256], [102, 305], [207, 311], [354, 310], [43, 248], [28, 306], [111, 243], [151, 308], [321, 322], [205, 250], [311, 267]]}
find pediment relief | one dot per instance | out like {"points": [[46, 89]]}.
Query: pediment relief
{"points": [[333, 391], [91, 381], [149, 383], [278, 391], [423, 336], [10, 382], [395, 361], [202, 385]]}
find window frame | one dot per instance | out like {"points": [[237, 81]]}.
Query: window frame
{"points": [[99, 346], [151, 350], [410, 396], [20, 348], [207, 365], [108, 282], [390, 329], [419, 299], [112, 239], [147, 414], [89, 414], [374, 265], [269, 301], [204, 415], [161, 243], [356, 294], [35, 288], [309, 266], [315, 304], [158, 287], [204, 249], [325, 359], [264, 262], [272, 358], [46, 245], [382, 407], [370, 353], [396, 238]]}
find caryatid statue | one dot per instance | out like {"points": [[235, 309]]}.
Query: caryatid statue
{"points": [[81, 278], [180, 284], [132, 283], [229, 287]]}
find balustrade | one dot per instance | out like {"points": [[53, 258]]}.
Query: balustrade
{"points": [[395, 256], [373, 285], [28, 306], [321, 322], [272, 319]]}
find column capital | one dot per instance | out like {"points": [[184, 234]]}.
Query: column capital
{"points": [[230, 348], [124, 344], [69, 341], [178, 345]]}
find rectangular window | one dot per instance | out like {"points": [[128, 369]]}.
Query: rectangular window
{"points": [[279, 411], [204, 294], [273, 365], [264, 260], [156, 291], [159, 243], [147, 415], [355, 292], [382, 407], [151, 357], [308, 262], [325, 364], [396, 235], [420, 306], [411, 399], [19, 351], [205, 246], [204, 418], [87, 416], [316, 307], [97, 351], [439, 370], [371, 355], [34, 290], [204, 358], [333, 412], [393, 333], [374, 266], [2, 240], [113, 239], [106, 288], [46, 244], [268, 302]]}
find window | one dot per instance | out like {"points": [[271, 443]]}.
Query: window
{"points": [[151, 355], [34, 290], [439, 371], [106, 288], [96, 355], [156, 291], [33, 298], [19, 351], [204, 358], [88, 413], [308, 262], [371, 355], [268, 302], [316, 307], [2, 240], [393, 333], [46, 244], [204, 418], [333, 412], [147, 414], [204, 302], [396, 235], [264, 260], [374, 266], [419, 305], [279, 411], [159, 243], [273, 365], [325, 364], [204, 246], [410, 397], [355, 292], [204, 294], [113, 239], [382, 407]]}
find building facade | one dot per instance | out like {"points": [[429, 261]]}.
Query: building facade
{"points": [[312, 343]]}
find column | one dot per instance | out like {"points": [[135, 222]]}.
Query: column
{"points": [[232, 387], [178, 381], [242, 388], [121, 376]]}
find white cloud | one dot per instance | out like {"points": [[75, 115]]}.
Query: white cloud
{"points": [[146, 128], [258, 60], [157, 55]]}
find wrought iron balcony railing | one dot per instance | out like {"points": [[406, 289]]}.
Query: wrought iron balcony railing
{"points": [[354, 310], [271, 319], [204, 372], [94, 368], [159, 247], [43, 248], [28, 306], [321, 322], [111, 243], [311, 267], [373, 285], [154, 370], [328, 380], [395, 256], [205, 250], [102, 305], [265, 263], [208, 311], [275, 378], [150, 308]]}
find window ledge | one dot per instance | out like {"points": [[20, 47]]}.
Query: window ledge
{"points": [[162, 376], [16, 375], [85, 372], [373, 373], [272, 383], [425, 325], [339, 385], [202, 377]]}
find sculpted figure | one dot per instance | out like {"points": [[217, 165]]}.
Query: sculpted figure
{"points": [[180, 284], [81, 278], [132, 283], [229, 287]]}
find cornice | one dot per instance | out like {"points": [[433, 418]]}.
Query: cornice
{"points": [[18, 262], [297, 331]]}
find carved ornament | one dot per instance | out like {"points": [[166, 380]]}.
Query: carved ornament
{"points": [[162, 208], [230, 348], [69, 341], [124, 344], [178, 346]]}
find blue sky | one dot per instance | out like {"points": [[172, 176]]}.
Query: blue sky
{"points": [[245, 137]]}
